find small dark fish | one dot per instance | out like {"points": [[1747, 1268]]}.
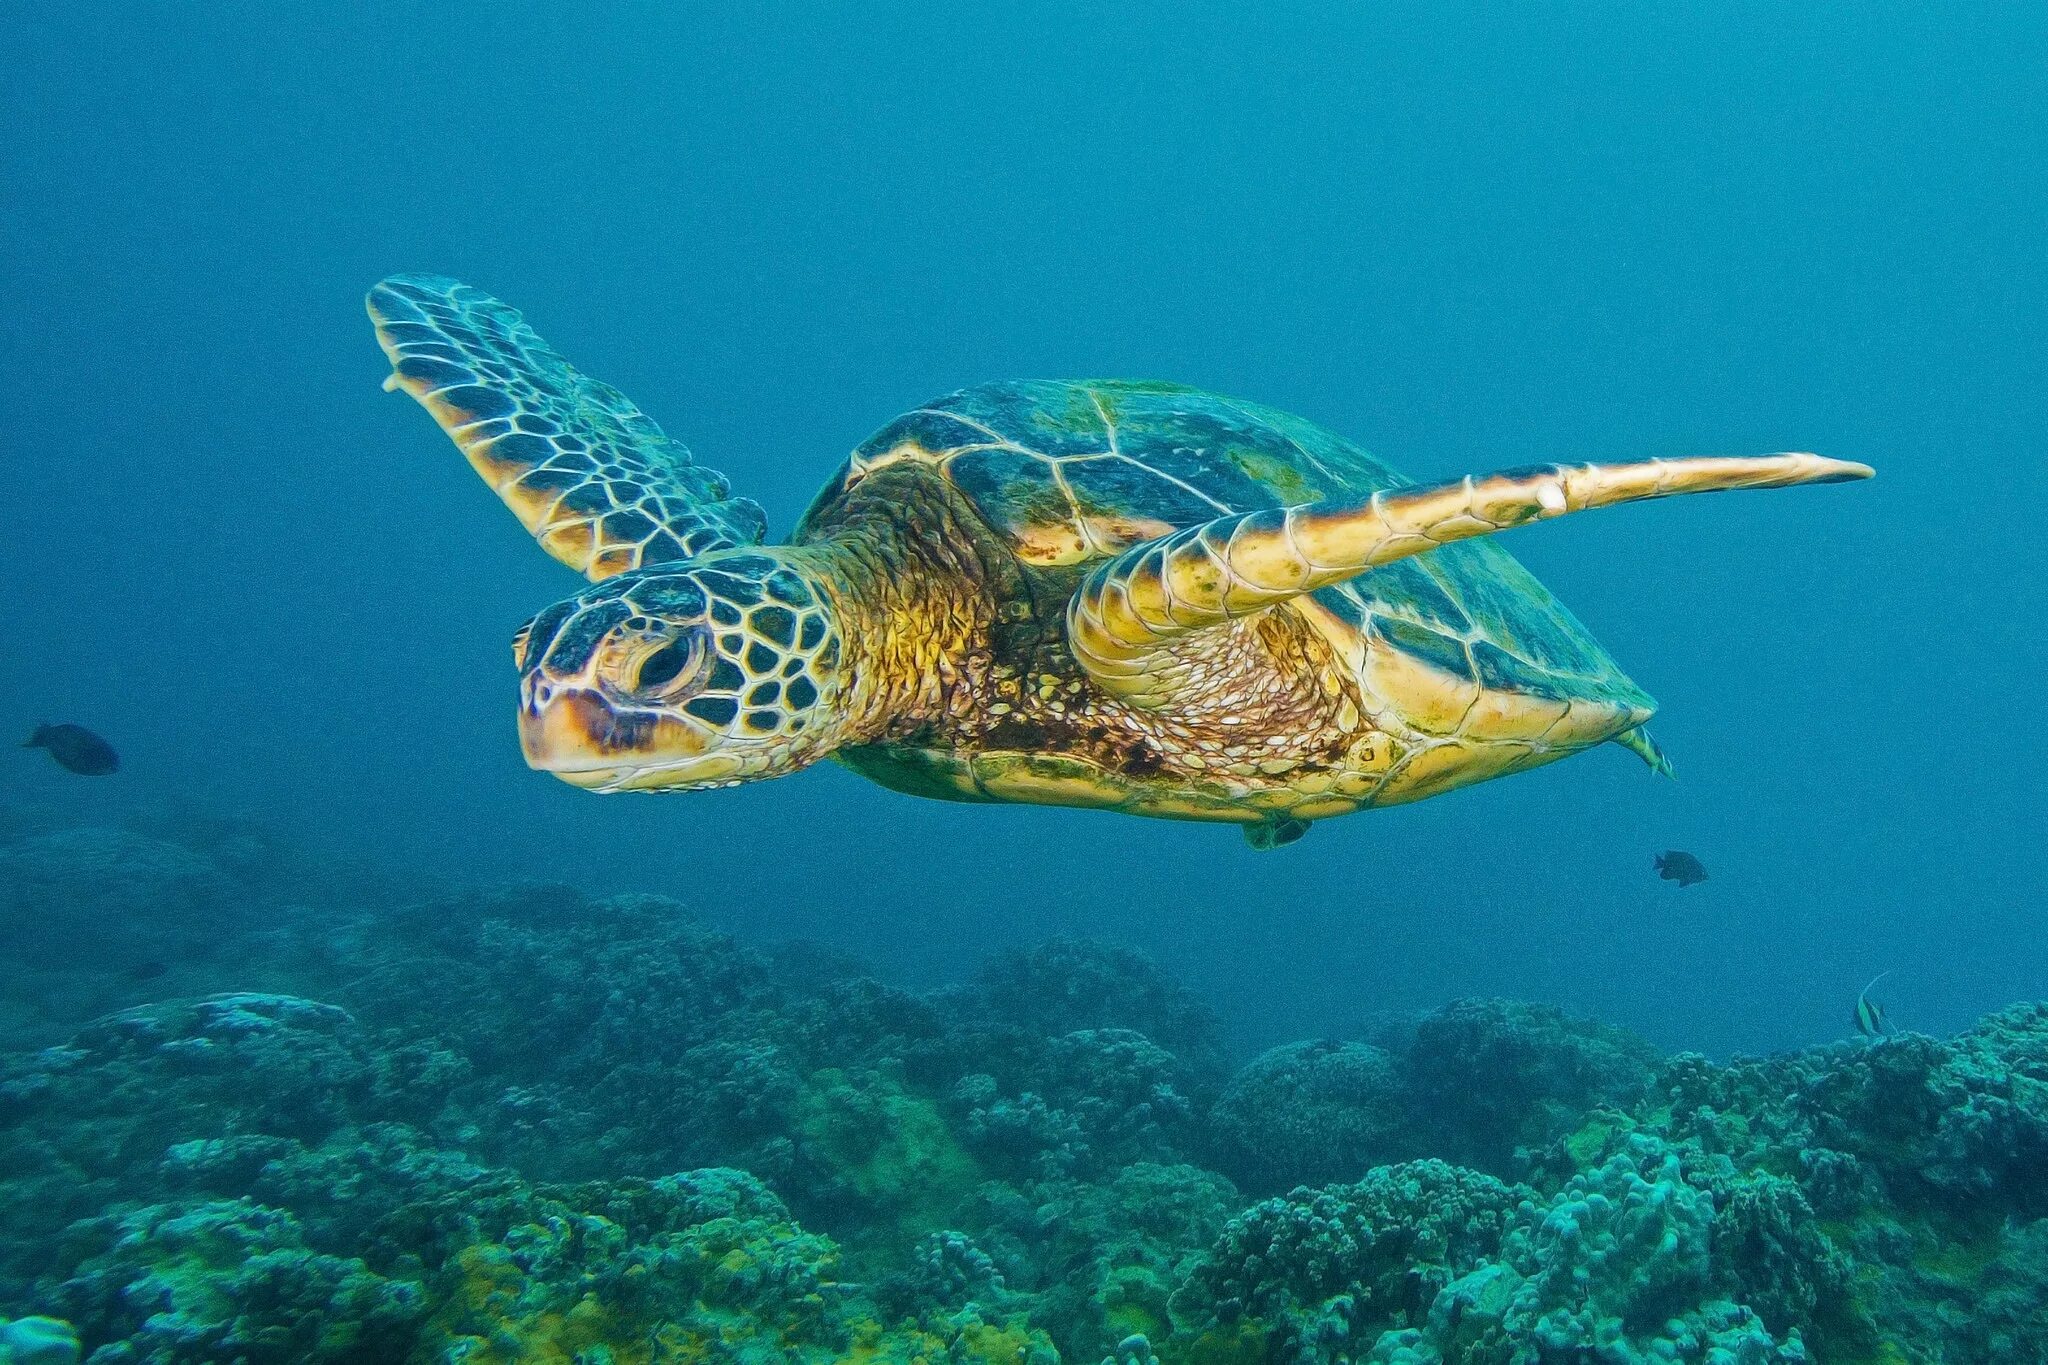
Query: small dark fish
{"points": [[1682, 868], [1870, 1017], [146, 971], [77, 748]]}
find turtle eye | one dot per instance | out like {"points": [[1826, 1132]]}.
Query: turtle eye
{"points": [[676, 659]]}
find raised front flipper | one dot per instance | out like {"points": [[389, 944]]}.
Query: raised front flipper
{"points": [[589, 474], [1127, 615]]}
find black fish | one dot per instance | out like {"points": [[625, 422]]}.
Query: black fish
{"points": [[77, 748], [1683, 868], [146, 971]]}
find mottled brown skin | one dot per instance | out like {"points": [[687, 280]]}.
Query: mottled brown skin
{"points": [[964, 675]]}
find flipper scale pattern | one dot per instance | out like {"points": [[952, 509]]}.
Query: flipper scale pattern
{"points": [[592, 477]]}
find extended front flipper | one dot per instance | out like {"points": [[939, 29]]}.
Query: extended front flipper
{"points": [[1128, 614], [589, 474]]}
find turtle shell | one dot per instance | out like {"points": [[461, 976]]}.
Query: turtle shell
{"points": [[1068, 473]]}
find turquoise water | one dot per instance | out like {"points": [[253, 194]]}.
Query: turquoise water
{"points": [[1467, 240]]}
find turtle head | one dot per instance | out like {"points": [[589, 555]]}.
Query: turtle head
{"points": [[703, 673]]}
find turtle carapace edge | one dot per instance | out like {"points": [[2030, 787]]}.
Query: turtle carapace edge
{"points": [[1133, 596]]}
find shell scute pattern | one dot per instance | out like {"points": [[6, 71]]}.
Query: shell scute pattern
{"points": [[1071, 473], [1020, 496], [925, 429], [1425, 597], [1444, 652], [1044, 417], [1112, 487], [1538, 637], [1219, 452]]}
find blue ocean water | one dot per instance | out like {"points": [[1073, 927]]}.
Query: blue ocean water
{"points": [[1467, 238], [330, 1032]]}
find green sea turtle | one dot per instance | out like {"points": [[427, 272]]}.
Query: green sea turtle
{"points": [[1133, 596]]}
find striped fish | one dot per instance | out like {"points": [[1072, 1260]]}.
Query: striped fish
{"points": [[1870, 1020]]}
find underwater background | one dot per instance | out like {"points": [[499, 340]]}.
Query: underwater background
{"points": [[432, 1057]]}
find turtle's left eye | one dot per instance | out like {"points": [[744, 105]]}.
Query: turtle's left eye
{"points": [[676, 659]]}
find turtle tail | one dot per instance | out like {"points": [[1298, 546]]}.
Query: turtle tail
{"points": [[1638, 742]]}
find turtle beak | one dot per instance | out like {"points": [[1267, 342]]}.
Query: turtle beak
{"points": [[583, 738], [572, 731]]}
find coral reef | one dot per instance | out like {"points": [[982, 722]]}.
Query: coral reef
{"points": [[524, 1125], [38, 1341], [1307, 1114], [1488, 1077], [1067, 984]]}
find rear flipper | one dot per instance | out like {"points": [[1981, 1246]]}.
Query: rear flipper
{"points": [[1274, 833], [1639, 743]]}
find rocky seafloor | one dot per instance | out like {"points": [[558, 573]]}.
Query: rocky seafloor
{"points": [[253, 1113]]}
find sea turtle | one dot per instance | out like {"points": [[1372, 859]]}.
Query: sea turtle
{"points": [[1133, 596]]}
